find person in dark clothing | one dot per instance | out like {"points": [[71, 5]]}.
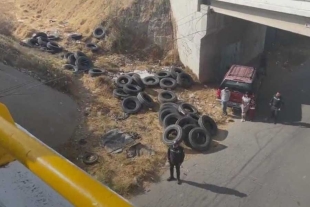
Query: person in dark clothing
{"points": [[275, 103], [175, 157]]}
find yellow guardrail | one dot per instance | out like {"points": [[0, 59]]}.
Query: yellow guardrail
{"points": [[68, 180]]}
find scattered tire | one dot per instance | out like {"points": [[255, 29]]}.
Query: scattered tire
{"points": [[54, 46], [208, 124], [131, 105], [92, 46], [79, 54], [42, 41], [145, 100], [173, 133], [186, 129], [99, 32], [30, 42], [185, 121], [175, 72], [137, 80], [90, 158], [167, 83], [168, 105], [163, 74], [151, 81], [67, 54], [185, 80], [164, 113], [132, 89], [199, 139], [71, 59], [95, 72], [68, 67], [193, 116], [167, 96], [120, 93], [75, 36], [83, 63], [186, 108], [39, 34], [171, 119], [122, 80]]}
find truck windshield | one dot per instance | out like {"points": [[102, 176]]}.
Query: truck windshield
{"points": [[237, 86]]}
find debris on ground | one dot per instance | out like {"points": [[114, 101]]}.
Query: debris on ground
{"points": [[139, 150]]}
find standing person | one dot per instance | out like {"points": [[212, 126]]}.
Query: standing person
{"points": [[275, 103], [225, 96], [175, 157], [245, 106]]}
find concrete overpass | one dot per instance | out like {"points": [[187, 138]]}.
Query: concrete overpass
{"points": [[213, 34]]}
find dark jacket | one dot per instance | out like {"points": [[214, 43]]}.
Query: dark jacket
{"points": [[276, 102], [176, 155]]}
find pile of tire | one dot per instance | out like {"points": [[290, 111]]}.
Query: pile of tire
{"points": [[183, 123], [77, 62], [44, 42], [169, 79], [130, 89]]}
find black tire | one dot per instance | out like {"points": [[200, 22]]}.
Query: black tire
{"points": [[79, 54], [75, 36], [31, 42], [67, 54], [208, 124], [171, 119], [90, 158], [137, 80], [83, 63], [120, 93], [71, 59], [186, 108], [151, 81], [164, 113], [39, 34], [185, 80], [199, 139], [163, 74], [99, 32], [167, 83], [175, 72], [185, 121], [96, 72], [122, 80], [68, 67], [42, 41], [193, 116], [92, 46], [145, 100], [167, 96], [131, 105], [186, 129], [54, 46], [173, 133], [132, 89], [168, 105]]}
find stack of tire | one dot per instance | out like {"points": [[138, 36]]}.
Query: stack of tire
{"points": [[182, 122], [130, 89], [44, 42], [77, 61]]}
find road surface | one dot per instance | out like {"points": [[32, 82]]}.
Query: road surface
{"points": [[263, 165]]}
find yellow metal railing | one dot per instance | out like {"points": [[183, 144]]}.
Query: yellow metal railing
{"points": [[64, 177]]}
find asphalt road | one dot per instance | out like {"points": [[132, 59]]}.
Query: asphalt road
{"points": [[262, 165], [48, 114]]}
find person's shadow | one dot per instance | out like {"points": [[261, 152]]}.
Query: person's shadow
{"points": [[216, 189]]}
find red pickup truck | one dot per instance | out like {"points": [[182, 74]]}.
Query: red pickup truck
{"points": [[240, 79]]}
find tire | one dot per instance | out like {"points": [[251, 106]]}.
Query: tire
{"points": [[186, 108], [167, 96], [99, 32], [42, 41], [75, 36], [132, 89], [131, 105], [151, 81], [208, 124], [193, 116], [96, 72], [186, 129], [199, 139], [79, 54], [67, 54], [164, 113], [68, 67], [54, 46], [71, 59], [120, 93], [167, 83], [136, 78], [171, 119], [31, 42], [173, 133], [185, 80], [39, 34], [83, 63], [90, 158], [145, 100], [175, 72], [185, 121], [93, 47], [168, 105], [122, 80], [163, 74]]}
